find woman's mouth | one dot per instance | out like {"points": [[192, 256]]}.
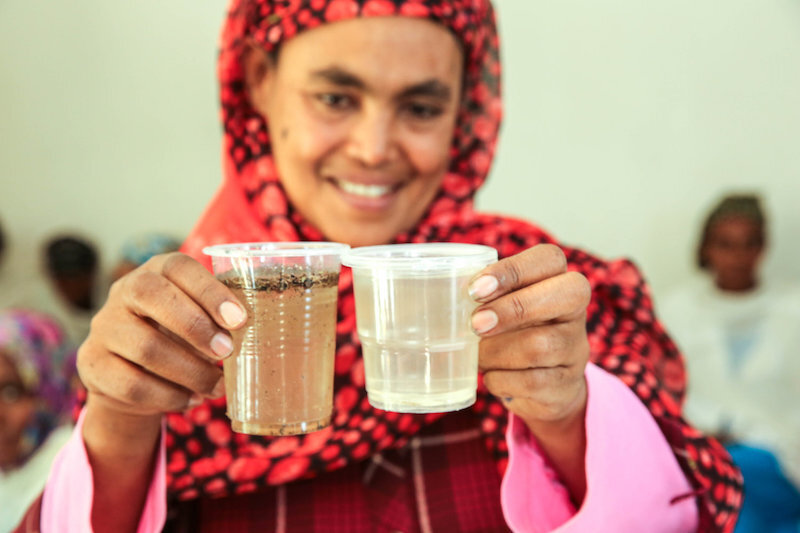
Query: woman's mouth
{"points": [[361, 189], [366, 196]]}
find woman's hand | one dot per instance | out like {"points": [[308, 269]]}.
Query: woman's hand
{"points": [[152, 348], [155, 343], [534, 349]]}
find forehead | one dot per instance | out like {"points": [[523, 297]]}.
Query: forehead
{"points": [[734, 226], [390, 50]]}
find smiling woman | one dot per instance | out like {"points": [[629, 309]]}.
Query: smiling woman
{"points": [[375, 122]]}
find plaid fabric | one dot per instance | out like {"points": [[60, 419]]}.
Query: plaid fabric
{"points": [[442, 480]]}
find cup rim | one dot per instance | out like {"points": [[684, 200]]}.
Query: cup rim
{"points": [[420, 257], [276, 249]]}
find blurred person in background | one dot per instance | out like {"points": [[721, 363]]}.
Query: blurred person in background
{"points": [[74, 288], [7, 296], [740, 334], [2, 244], [138, 249], [72, 267], [36, 367], [12, 293]]}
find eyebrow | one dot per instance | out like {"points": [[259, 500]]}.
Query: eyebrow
{"points": [[432, 88], [338, 76]]}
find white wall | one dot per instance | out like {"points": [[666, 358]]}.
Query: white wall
{"points": [[624, 121], [109, 121]]}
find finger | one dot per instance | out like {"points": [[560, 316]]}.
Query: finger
{"points": [[125, 385], [151, 295], [139, 342], [212, 295], [556, 299], [535, 347], [511, 273]]}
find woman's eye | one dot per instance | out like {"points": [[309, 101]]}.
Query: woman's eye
{"points": [[424, 111], [335, 101], [11, 393]]}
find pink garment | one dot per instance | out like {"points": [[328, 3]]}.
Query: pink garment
{"points": [[621, 494], [67, 501], [631, 472]]}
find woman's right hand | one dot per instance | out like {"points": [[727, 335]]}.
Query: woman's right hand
{"points": [[152, 348], [154, 345]]}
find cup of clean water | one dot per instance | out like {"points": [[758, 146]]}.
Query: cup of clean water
{"points": [[279, 379], [413, 313]]}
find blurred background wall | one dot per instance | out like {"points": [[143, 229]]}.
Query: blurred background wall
{"points": [[624, 121]]}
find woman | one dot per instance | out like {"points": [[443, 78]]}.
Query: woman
{"points": [[374, 122], [741, 339], [34, 406]]}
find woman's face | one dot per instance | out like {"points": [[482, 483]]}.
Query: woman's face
{"points": [[733, 250], [361, 116], [16, 411]]}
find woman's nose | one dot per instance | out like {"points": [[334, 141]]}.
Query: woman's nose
{"points": [[371, 140]]}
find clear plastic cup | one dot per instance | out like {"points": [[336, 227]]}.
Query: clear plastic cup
{"points": [[413, 314], [279, 379]]}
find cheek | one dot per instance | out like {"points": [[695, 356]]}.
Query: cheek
{"points": [[755, 256], [21, 415], [302, 138], [429, 153], [715, 258]]}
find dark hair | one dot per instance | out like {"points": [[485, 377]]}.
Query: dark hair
{"points": [[69, 256], [2, 242], [746, 206]]}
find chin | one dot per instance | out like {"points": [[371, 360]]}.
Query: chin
{"points": [[360, 233], [363, 240]]}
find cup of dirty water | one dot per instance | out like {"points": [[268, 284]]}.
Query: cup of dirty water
{"points": [[279, 379]]}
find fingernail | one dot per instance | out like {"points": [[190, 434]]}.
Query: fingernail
{"points": [[483, 321], [221, 345], [483, 287], [194, 401], [219, 389], [231, 313]]}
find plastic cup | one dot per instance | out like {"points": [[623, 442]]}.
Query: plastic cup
{"points": [[279, 379], [413, 314]]}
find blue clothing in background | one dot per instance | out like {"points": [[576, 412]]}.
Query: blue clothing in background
{"points": [[771, 502]]}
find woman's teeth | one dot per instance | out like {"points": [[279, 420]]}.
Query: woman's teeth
{"points": [[369, 191]]}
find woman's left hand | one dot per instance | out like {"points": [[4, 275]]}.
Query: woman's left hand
{"points": [[532, 322], [534, 348]]}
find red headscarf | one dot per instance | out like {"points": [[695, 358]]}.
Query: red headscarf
{"points": [[251, 181], [206, 458]]}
